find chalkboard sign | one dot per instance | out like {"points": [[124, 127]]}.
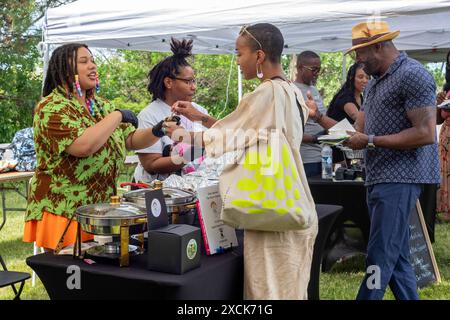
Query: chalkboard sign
{"points": [[421, 252]]}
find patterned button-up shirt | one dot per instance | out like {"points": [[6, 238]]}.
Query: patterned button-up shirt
{"points": [[63, 182], [406, 85]]}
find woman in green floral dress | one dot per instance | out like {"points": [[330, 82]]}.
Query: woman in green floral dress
{"points": [[81, 142]]}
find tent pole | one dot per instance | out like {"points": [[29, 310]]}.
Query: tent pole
{"points": [[45, 58], [344, 67], [46, 49], [239, 84]]}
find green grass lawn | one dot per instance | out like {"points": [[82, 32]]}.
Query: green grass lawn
{"points": [[341, 283]]}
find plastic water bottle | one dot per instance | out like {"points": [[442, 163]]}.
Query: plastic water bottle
{"points": [[327, 162]]}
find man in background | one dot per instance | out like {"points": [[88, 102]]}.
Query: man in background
{"points": [[397, 125], [308, 70]]}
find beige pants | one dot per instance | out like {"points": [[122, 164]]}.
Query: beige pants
{"points": [[277, 265]]}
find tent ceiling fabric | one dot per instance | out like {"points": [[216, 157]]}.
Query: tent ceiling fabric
{"points": [[319, 25]]}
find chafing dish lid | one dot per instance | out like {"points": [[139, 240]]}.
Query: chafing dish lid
{"points": [[112, 211], [173, 196]]}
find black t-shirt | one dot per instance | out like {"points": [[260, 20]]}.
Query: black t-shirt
{"points": [[336, 110]]}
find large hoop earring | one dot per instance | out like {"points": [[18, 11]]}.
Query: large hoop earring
{"points": [[259, 73]]}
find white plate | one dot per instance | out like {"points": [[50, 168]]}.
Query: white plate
{"points": [[445, 104]]}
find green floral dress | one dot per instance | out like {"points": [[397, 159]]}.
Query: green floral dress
{"points": [[63, 182]]}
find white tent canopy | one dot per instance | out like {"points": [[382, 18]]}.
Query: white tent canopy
{"points": [[319, 25]]}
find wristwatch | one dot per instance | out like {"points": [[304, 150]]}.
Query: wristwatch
{"points": [[370, 144]]}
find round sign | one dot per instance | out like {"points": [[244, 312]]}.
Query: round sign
{"points": [[191, 249], [156, 208]]}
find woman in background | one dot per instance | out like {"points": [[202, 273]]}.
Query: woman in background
{"points": [[347, 102]]}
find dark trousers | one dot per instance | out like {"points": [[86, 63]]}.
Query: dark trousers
{"points": [[389, 206], [313, 169]]}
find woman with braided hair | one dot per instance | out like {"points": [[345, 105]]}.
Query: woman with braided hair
{"points": [[171, 80], [80, 141]]}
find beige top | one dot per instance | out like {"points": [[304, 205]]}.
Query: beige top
{"points": [[257, 111], [276, 264]]}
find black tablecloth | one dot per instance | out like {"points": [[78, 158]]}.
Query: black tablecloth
{"points": [[352, 196], [218, 277], [327, 215]]}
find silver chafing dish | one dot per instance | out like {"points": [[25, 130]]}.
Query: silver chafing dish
{"points": [[112, 219], [107, 218], [181, 204]]}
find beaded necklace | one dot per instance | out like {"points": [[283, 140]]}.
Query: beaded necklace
{"points": [[90, 104]]}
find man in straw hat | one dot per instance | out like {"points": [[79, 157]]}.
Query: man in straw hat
{"points": [[397, 126]]}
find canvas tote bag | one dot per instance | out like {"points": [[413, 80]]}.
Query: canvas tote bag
{"points": [[263, 190]]}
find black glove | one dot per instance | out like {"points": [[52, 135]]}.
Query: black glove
{"points": [[128, 116], [167, 150], [157, 129]]}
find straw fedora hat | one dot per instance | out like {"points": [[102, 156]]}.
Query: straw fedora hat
{"points": [[368, 33]]}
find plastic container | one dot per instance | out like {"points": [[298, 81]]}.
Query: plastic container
{"points": [[327, 162]]}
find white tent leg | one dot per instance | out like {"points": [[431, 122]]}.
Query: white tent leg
{"points": [[46, 59], [344, 68], [35, 252], [239, 84], [33, 277]]}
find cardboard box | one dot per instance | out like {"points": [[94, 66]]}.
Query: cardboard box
{"points": [[174, 248]]}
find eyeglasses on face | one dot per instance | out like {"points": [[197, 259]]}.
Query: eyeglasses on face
{"points": [[189, 82], [312, 69]]}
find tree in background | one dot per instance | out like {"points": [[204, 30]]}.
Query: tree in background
{"points": [[20, 81], [123, 76], [124, 79], [123, 73], [438, 72], [330, 77]]}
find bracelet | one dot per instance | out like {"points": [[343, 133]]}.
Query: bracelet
{"points": [[318, 116]]}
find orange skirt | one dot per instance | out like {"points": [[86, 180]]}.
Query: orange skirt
{"points": [[48, 231]]}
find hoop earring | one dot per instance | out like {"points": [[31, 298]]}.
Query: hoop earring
{"points": [[259, 73], [97, 84], [77, 86]]}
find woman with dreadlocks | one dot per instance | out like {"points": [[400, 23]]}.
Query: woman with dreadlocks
{"points": [[80, 142], [171, 80]]}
